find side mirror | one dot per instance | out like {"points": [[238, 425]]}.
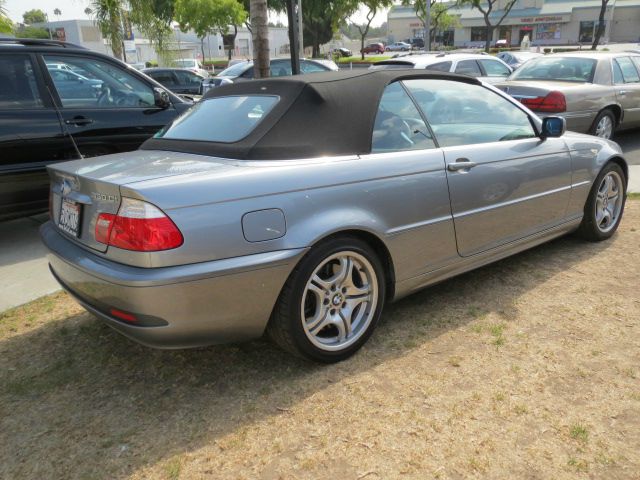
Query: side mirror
{"points": [[553, 127], [161, 98]]}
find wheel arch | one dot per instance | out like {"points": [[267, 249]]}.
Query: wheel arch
{"points": [[622, 164], [378, 246], [617, 110]]}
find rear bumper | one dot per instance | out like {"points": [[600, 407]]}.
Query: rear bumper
{"points": [[184, 306]]}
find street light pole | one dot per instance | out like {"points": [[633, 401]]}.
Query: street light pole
{"points": [[48, 26], [427, 26], [300, 28]]}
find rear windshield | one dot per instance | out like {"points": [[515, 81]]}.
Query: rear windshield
{"points": [[220, 119], [568, 69], [234, 70], [391, 64]]}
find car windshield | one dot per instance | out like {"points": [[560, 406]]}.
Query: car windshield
{"points": [[235, 70], [220, 119], [189, 63], [566, 69]]}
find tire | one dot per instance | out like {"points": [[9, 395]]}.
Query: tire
{"points": [[604, 126], [334, 300], [595, 227]]}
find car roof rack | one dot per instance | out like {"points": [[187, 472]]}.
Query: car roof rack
{"points": [[39, 42]]}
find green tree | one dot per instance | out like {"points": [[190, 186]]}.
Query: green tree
{"points": [[440, 18], [600, 27], [108, 17], [6, 25], [32, 32], [34, 16], [486, 7], [207, 16], [372, 7], [154, 19], [321, 19]]}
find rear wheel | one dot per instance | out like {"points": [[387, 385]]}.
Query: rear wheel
{"points": [[331, 302], [604, 125], [605, 205]]}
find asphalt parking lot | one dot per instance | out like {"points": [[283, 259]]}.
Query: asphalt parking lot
{"points": [[24, 275]]}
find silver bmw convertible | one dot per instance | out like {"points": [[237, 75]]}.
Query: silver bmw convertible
{"points": [[300, 206]]}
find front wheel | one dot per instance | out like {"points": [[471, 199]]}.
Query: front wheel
{"points": [[605, 204], [331, 302]]}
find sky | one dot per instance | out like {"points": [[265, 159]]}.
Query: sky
{"points": [[74, 9]]}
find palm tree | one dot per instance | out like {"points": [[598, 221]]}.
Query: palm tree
{"points": [[260, 33], [57, 12], [108, 16], [88, 12]]}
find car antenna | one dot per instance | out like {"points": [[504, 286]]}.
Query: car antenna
{"points": [[63, 124]]}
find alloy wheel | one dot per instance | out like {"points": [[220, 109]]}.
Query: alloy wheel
{"points": [[609, 201], [339, 301], [604, 128]]}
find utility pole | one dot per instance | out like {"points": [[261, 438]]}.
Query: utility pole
{"points": [[293, 37], [48, 26], [300, 28], [427, 27]]}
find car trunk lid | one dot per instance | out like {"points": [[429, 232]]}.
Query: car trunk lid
{"points": [[82, 189]]}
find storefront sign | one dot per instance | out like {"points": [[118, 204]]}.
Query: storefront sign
{"points": [[550, 19]]}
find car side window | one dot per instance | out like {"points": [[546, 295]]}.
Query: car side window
{"points": [[163, 77], [629, 72], [398, 125], [463, 114], [617, 73], [494, 68], [440, 66], [468, 67], [280, 69], [18, 87], [310, 67], [187, 78], [98, 84]]}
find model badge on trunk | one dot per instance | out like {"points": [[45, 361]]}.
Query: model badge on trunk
{"points": [[101, 197]]}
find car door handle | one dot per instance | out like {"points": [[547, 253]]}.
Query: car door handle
{"points": [[461, 164], [79, 121]]}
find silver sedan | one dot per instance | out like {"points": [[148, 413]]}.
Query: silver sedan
{"points": [[300, 206]]}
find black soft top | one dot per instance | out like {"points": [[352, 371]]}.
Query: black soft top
{"points": [[319, 114]]}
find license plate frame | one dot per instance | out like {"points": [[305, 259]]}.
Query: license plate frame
{"points": [[70, 217]]}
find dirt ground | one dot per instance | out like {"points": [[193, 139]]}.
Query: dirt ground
{"points": [[526, 369]]}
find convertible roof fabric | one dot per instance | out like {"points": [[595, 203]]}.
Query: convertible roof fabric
{"points": [[319, 114]]}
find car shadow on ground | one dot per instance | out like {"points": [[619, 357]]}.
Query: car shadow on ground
{"points": [[79, 400]]}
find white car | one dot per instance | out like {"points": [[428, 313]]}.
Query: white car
{"points": [[485, 67], [191, 64], [398, 47]]}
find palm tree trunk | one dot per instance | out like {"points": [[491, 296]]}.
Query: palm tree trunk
{"points": [[600, 29], [260, 30]]}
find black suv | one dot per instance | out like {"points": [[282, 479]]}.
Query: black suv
{"points": [[51, 92]]}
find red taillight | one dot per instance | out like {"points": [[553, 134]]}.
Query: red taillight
{"points": [[138, 226], [554, 102]]}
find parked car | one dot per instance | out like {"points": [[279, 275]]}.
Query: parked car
{"points": [[342, 52], [191, 64], [53, 92], [416, 43], [280, 67], [138, 65], [254, 212], [398, 47], [517, 58], [596, 92], [73, 85], [179, 80], [373, 48], [484, 67]]}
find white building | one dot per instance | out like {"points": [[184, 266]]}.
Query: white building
{"points": [[183, 45]]}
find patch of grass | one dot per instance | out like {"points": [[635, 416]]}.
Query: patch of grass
{"points": [[520, 409], [499, 397], [633, 196], [454, 361], [579, 432], [579, 465], [173, 468], [367, 59]]}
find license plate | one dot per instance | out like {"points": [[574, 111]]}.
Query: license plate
{"points": [[69, 220]]}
